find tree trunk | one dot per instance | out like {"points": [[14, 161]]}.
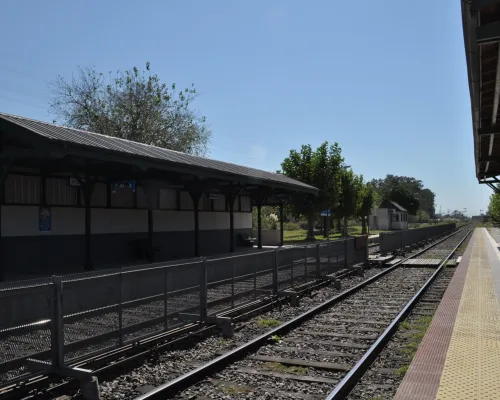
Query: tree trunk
{"points": [[345, 226], [310, 227], [339, 229], [363, 225]]}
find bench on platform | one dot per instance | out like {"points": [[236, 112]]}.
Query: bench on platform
{"points": [[246, 241]]}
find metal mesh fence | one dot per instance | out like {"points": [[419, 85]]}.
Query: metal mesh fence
{"points": [[184, 282], [296, 266], [105, 309], [142, 302], [24, 326], [89, 307], [238, 279]]}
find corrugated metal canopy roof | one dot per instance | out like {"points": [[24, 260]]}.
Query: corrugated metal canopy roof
{"points": [[196, 164]]}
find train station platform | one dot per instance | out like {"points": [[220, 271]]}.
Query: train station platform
{"points": [[459, 357]]}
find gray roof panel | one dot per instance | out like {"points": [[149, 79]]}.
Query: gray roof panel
{"points": [[99, 141]]}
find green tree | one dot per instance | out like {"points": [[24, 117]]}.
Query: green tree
{"points": [[404, 198], [422, 216], [494, 206], [133, 105], [268, 216], [426, 198], [408, 190], [319, 168], [366, 204], [349, 196]]}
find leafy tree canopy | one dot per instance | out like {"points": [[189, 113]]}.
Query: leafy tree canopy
{"points": [[494, 206], [404, 198], [134, 105], [319, 168], [409, 191]]}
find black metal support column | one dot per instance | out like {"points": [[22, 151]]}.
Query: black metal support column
{"points": [[195, 196], [230, 204], [4, 170], [196, 227], [281, 224], [87, 186], [232, 195], [259, 226], [151, 192], [150, 235], [88, 230]]}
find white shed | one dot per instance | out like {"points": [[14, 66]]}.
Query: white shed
{"points": [[389, 216]]}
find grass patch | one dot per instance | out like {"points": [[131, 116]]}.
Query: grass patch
{"points": [[401, 371], [420, 327], [278, 367], [268, 323], [405, 325], [299, 235], [276, 339]]}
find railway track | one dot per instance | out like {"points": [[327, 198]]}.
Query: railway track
{"points": [[327, 347], [105, 364], [397, 355]]}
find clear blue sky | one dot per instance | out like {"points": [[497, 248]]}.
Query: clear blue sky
{"points": [[386, 79]]}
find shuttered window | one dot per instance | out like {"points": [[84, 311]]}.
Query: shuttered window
{"points": [[60, 193], [21, 189]]}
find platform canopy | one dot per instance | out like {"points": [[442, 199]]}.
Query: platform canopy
{"points": [[31, 143], [481, 25]]}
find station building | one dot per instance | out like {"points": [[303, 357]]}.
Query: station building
{"points": [[73, 200], [389, 216]]}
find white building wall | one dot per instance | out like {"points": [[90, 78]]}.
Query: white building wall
{"points": [[105, 220], [383, 219], [23, 221]]}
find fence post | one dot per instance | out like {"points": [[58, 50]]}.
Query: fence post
{"points": [[305, 263], [57, 323], [318, 262], [346, 261], [165, 299], [255, 281], [275, 273], [232, 282], [120, 310], [203, 292]]}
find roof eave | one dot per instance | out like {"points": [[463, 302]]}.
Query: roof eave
{"points": [[87, 151], [469, 24]]}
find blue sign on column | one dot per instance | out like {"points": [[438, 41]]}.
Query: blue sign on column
{"points": [[326, 213], [44, 219]]}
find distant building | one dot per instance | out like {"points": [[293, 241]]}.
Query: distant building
{"points": [[388, 216]]}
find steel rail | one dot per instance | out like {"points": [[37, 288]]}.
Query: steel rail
{"points": [[345, 386], [175, 386]]}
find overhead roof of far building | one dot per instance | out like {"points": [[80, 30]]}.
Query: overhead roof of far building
{"points": [[99, 146], [392, 204]]}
